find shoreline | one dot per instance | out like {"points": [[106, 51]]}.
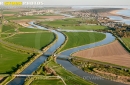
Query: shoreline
{"points": [[114, 13]]}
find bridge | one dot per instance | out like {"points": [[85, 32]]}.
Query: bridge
{"points": [[27, 75]]}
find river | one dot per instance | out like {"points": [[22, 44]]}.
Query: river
{"points": [[61, 38]]}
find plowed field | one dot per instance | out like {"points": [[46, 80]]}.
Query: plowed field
{"points": [[112, 53]]}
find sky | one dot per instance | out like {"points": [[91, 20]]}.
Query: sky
{"points": [[78, 2]]}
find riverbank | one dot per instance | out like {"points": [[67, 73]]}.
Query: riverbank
{"points": [[52, 67], [108, 71]]}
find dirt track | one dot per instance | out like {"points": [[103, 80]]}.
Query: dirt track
{"points": [[112, 53]]}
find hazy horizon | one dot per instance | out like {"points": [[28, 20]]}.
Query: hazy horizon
{"points": [[78, 2]]}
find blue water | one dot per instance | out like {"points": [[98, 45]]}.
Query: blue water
{"points": [[32, 67], [124, 12], [120, 19]]}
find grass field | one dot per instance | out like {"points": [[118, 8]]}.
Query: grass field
{"points": [[47, 82], [11, 28], [23, 17], [7, 28], [33, 40], [74, 23], [9, 12], [24, 29], [4, 35], [127, 41], [9, 59], [81, 38]]}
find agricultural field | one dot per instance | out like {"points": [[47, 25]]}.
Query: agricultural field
{"points": [[33, 40], [47, 82], [10, 59], [44, 16], [81, 38], [127, 41], [19, 18], [25, 29], [4, 35], [8, 28], [71, 24], [9, 12], [112, 53]]}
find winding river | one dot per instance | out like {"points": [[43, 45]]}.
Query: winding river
{"points": [[66, 64]]}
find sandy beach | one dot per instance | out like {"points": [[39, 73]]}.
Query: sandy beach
{"points": [[114, 12]]}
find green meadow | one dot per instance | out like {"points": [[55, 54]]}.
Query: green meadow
{"points": [[33, 40], [71, 24], [81, 38]]}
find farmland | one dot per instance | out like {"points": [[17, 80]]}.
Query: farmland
{"points": [[25, 29], [27, 37], [71, 24], [81, 38], [127, 41], [33, 40], [9, 59], [23, 17], [112, 53], [8, 28], [31, 17]]}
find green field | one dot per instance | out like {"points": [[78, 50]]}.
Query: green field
{"points": [[127, 41], [8, 28], [33, 40], [47, 82], [9, 12], [9, 59], [23, 17], [81, 38], [28, 17], [72, 24], [25, 29], [11, 28], [4, 35]]}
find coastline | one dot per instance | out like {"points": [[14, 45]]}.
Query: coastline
{"points": [[114, 13]]}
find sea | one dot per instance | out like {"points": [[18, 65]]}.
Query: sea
{"points": [[120, 19], [125, 12]]}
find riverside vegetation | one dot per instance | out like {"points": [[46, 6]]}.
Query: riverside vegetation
{"points": [[54, 72], [106, 70]]}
